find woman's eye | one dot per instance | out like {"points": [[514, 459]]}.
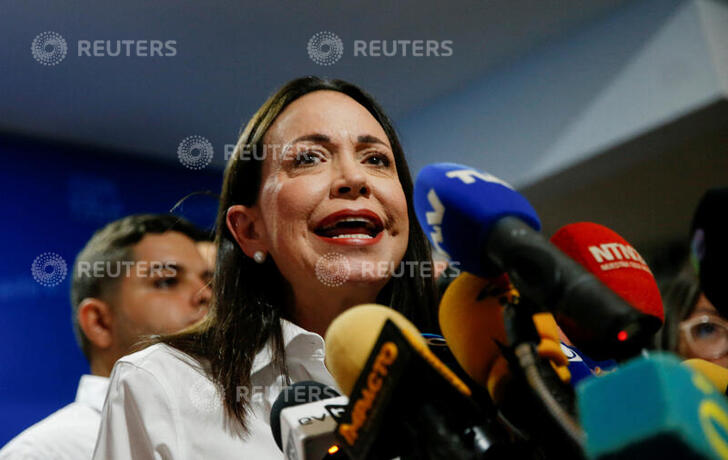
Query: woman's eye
{"points": [[166, 283], [307, 159], [705, 330], [378, 160]]}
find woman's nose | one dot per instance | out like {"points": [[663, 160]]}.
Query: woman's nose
{"points": [[351, 181]]}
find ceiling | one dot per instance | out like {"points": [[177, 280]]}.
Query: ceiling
{"points": [[231, 55], [646, 189]]}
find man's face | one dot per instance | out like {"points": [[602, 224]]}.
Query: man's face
{"points": [[166, 290]]}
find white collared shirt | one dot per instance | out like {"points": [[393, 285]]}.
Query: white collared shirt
{"points": [[162, 404], [67, 434]]}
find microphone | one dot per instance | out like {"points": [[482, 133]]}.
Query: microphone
{"points": [[718, 375], [403, 399], [489, 228], [302, 421], [353, 334], [653, 407], [614, 262], [472, 321]]}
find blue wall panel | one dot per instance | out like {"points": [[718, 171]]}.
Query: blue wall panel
{"points": [[52, 198]]}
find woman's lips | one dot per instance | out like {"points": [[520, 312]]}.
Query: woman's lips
{"points": [[351, 227], [363, 214]]}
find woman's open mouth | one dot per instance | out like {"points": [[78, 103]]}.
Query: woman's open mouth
{"points": [[351, 227]]}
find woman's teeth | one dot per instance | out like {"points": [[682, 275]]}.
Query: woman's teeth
{"points": [[356, 235]]}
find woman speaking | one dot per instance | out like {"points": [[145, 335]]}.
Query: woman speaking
{"points": [[316, 200]]}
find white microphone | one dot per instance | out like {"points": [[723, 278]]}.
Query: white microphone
{"points": [[303, 423]]}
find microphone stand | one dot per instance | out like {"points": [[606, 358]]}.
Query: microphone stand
{"points": [[539, 375]]}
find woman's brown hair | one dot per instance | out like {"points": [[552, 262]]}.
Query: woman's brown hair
{"points": [[249, 299]]}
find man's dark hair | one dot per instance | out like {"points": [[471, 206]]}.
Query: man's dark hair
{"points": [[112, 245]]}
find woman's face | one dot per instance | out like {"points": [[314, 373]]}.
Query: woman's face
{"points": [[707, 337], [332, 209]]}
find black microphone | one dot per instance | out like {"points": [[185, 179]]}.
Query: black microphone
{"points": [[515, 353], [489, 228]]}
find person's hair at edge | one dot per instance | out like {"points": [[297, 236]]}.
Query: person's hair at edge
{"points": [[679, 297], [113, 244], [249, 299], [202, 236]]}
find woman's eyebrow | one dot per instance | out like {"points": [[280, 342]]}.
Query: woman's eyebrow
{"points": [[315, 137], [324, 139], [369, 139]]}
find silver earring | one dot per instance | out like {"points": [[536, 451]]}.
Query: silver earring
{"points": [[259, 256]]}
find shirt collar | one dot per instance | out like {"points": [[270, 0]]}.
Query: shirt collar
{"points": [[91, 391], [298, 343]]}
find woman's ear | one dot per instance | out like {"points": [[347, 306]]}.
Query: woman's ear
{"points": [[94, 319], [245, 226]]}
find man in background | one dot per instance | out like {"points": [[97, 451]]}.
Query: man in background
{"points": [[138, 276]]}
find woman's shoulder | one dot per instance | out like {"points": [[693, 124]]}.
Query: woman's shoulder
{"points": [[164, 362]]}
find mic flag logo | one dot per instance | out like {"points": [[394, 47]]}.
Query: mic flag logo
{"points": [[570, 354], [375, 379], [336, 411], [434, 218], [468, 176], [611, 256]]}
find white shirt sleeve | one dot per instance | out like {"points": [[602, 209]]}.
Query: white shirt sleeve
{"points": [[20, 451], [139, 419]]}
